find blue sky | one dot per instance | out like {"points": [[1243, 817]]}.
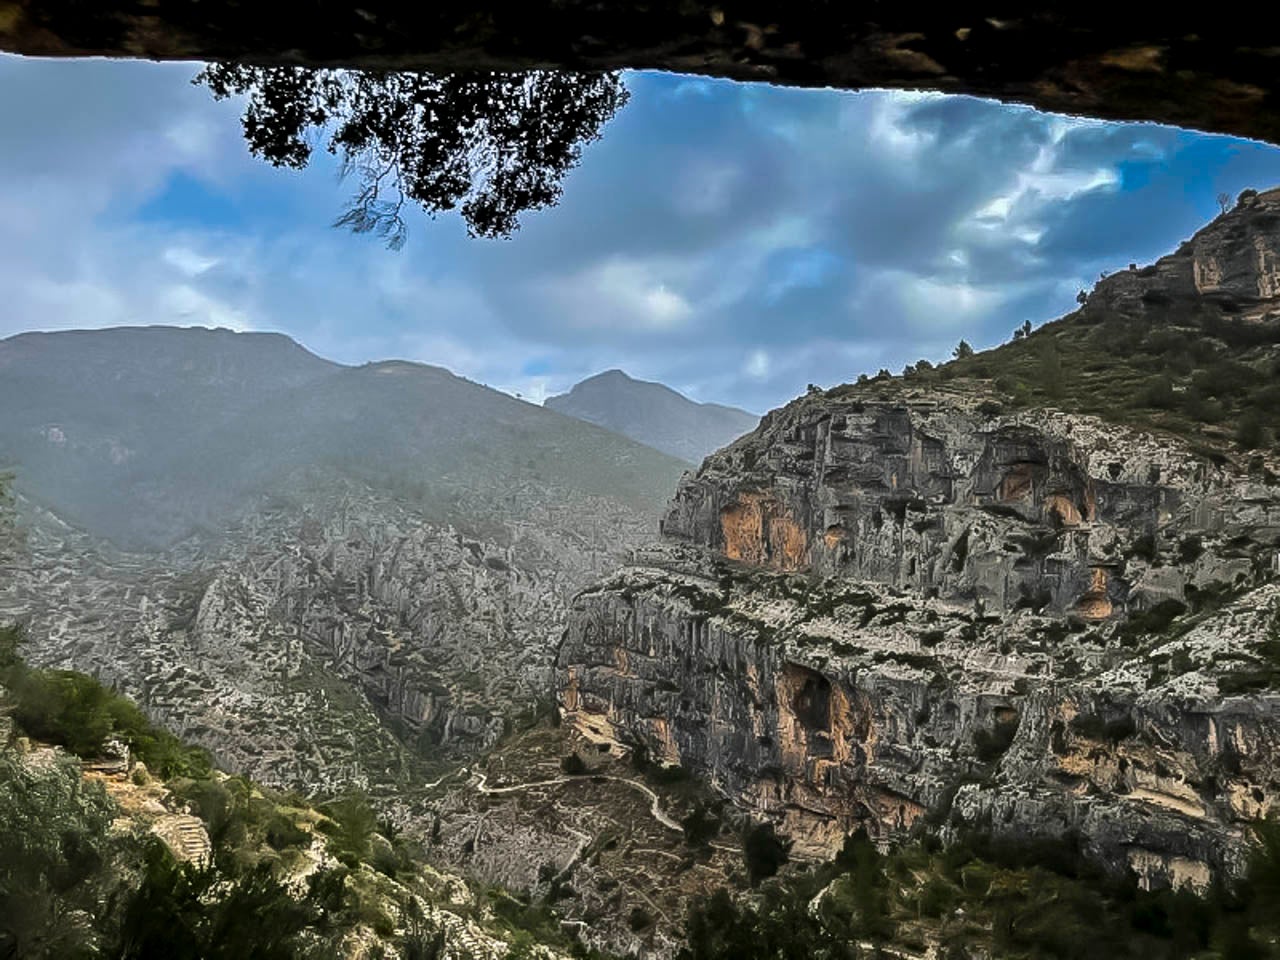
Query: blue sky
{"points": [[735, 241]]}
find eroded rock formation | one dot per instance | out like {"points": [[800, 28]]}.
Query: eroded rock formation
{"points": [[888, 605], [933, 495]]}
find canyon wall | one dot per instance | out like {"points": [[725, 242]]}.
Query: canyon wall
{"points": [[1038, 625]]}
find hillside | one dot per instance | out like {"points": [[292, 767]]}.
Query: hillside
{"points": [[118, 840], [1029, 596], [145, 436], [325, 575], [654, 414], [1188, 346]]}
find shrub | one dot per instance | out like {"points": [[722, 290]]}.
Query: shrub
{"points": [[1145, 548], [700, 826], [763, 851], [350, 827], [75, 711], [1189, 549], [281, 832], [1251, 433], [56, 856]]}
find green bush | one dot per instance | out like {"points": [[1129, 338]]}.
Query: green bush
{"points": [[57, 859], [701, 826], [183, 912], [350, 827], [75, 711], [764, 852]]}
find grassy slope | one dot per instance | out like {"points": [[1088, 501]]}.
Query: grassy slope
{"points": [[1186, 370]]}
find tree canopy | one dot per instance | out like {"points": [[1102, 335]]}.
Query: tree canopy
{"points": [[491, 145]]}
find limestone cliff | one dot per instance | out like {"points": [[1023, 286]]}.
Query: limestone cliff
{"points": [[1232, 266], [346, 642], [903, 600], [926, 492]]}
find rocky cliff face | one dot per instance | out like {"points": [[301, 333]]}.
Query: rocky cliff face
{"points": [[1231, 267], [928, 493], [873, 611]]}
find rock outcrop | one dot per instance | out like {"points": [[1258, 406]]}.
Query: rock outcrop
{"points": [[346, 643], [1181, 67], [1230, 268], [929, 493], [872, 611]]}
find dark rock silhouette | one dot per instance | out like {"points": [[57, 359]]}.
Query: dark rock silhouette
{"points": [[1176, 66]]}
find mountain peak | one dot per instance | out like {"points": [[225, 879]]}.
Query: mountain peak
{"points": [[654, 414]]}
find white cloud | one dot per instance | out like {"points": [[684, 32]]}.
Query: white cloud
{"points": [[737, 241], [621, 294], [187, 306], [187, 261], [757, 365]]}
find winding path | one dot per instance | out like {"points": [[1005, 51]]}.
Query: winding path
{"points": [[655, 802]]}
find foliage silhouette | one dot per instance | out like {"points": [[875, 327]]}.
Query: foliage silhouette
{"points": [[493, 145]]}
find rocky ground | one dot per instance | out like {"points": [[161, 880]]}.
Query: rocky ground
{"points": [[353, 642], [606, 845]]}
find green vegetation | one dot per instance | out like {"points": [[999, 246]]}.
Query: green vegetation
{"points": [[57, 858], [763, 851], [1191, 369], [77, 712], [702, 825], [73, 886], [982, 898]]}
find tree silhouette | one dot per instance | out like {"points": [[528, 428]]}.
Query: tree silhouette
{"points": [[492, 145]]}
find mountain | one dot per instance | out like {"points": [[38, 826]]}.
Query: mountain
{"points": [[1029, 595], [654, 414], [326, 575], [1187, 346], [145, 436]]}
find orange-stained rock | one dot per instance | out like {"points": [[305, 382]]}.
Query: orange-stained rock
{"points": [[1016, 484], [743, 528], [757, 530], [569, 693], [1061, 509], [1095, 604], [788, 545]]}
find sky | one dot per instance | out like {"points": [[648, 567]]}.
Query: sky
{"points": [[735, 241]]}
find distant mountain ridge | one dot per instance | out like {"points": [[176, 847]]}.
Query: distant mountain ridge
{"points": [[654, 414], [327, 575], [143, 435]]}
